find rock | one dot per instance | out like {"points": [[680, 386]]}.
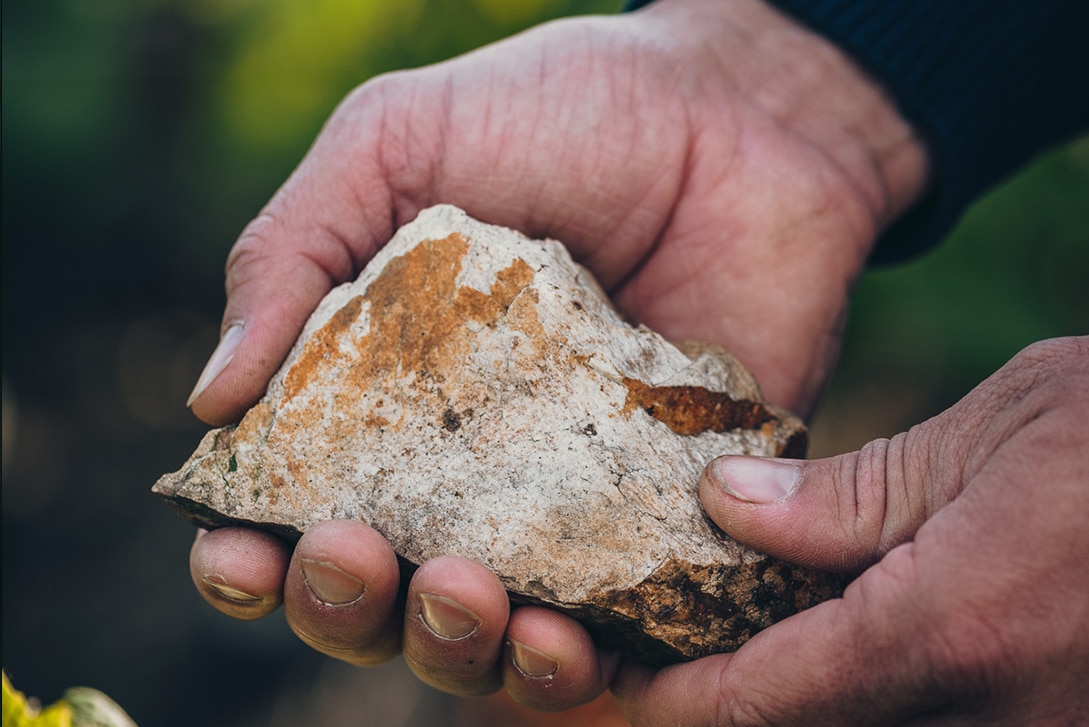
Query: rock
{"points": [[474, 393]]}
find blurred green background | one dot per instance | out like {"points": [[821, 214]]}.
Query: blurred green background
{"points": [[139, 136]]}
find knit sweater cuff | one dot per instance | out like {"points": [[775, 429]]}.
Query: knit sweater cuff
{"points": [[986, 83]]}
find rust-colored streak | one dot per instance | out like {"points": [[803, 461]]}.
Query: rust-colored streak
{"points": [[414, 303], [418, 337], [322, 347], [691, 410], [419, 314]]}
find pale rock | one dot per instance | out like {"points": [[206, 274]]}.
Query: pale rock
{"points": [[474, 393]]}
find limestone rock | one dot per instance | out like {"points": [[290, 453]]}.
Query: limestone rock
{"points": [[474, 393]]}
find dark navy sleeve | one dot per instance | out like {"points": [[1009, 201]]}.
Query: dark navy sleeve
{"points": [[988, 84]]}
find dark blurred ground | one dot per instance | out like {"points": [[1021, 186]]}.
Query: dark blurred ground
{"points": [[138, 138]]}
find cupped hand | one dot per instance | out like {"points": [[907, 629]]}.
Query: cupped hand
{"points": [[722, 171], [974, 607]]}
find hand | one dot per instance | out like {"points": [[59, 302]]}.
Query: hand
{"points": [[686, 155], [974, 609]]}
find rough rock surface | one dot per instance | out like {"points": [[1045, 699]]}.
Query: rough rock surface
{"points": [[474, 393]]}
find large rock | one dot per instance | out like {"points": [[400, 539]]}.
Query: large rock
{"points": [[474, 393]]}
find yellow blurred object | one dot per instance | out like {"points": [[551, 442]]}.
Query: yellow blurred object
{"points": [[19, 712], [80, 707]]}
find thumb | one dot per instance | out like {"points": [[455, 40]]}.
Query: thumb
{"points": [[318, 230], [845, 513], [842, 513]]}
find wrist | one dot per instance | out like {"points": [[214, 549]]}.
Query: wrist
{"points": [[812, 89]]}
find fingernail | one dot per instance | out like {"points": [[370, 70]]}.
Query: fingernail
{"points": [[531, 662], [219, 584], [755, 479], [222, 356], [330, 584], [447, 618]]}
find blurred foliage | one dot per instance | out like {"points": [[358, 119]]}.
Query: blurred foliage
{"points": [[18, 711], [1014, 271], [79, 707], [922, 334], [158, 127], [139, 137]]}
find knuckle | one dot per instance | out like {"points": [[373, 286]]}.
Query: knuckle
{"points": [[395, 122], [389, 135], [377, 94], [1046, 374], [250, 250], [1047, 382], [264, 246], [1064, 369], [883, 508], [1071, 353], [869, 503]]}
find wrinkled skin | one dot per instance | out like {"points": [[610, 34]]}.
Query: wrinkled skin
{"points": [[686, 154], [724, 173], [973, 609]]}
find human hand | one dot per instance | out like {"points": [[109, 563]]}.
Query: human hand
{"points": [[721, 170], [974, 609]]}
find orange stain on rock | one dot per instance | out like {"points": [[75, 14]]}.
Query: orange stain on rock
{"points": [[418, 319], [421, 331], [419, 336], [323, 347], [693, 409]]}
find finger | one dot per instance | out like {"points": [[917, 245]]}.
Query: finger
{"points": [[239, 571], [340, 596], [551, 662], [948, 625], [952, 619], [318, 230], [828, 665], [454, 626], [839, 514], [843, 513]]}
